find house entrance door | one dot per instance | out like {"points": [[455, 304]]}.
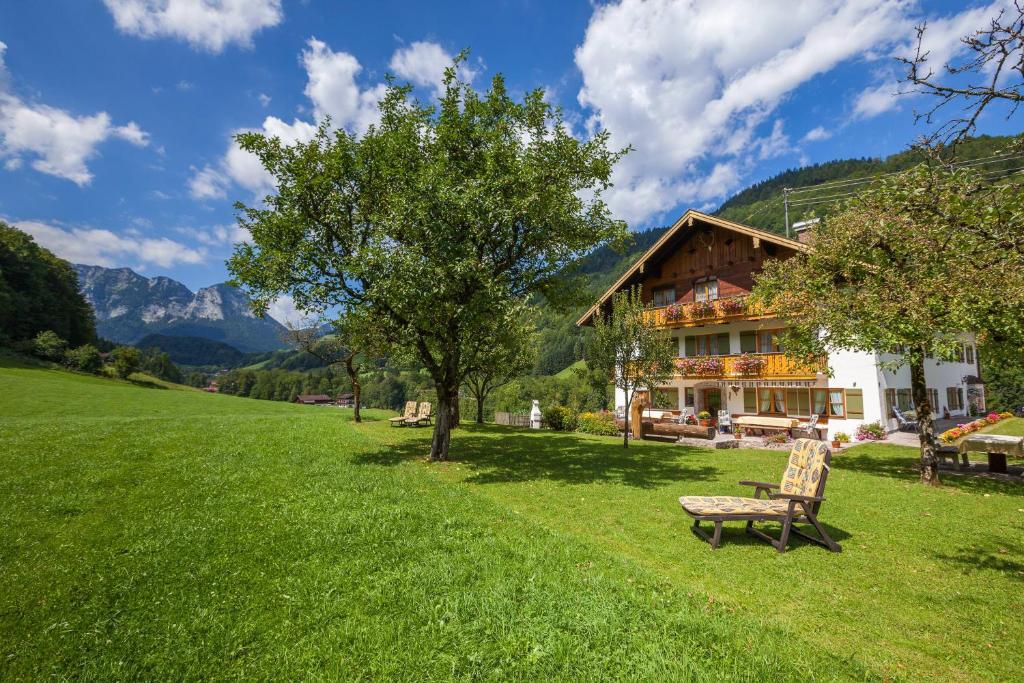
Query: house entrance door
{"points": [[712, 401]]}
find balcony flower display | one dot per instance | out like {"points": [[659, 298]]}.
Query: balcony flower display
{"points": [[700, 365], [747, 364], [733, 305], [674, 312], [702, 309]]}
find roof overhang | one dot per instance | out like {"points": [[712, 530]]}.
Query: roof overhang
{"points": [[686, 222]]}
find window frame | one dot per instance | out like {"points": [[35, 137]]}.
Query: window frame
{"points": [[660, 291], [705, 284]]}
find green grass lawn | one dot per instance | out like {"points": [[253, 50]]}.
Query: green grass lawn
{"points": [[160, 533], [1013, 426]]}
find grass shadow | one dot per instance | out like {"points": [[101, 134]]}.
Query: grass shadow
{"points": [[997, 555], [905, 468], [147, 384], [734, 533], [511, 455]]}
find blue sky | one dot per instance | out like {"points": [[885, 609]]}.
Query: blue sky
{"points": [[116, 115]]}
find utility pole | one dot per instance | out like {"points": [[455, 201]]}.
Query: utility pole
{"points": [[785, 201]]}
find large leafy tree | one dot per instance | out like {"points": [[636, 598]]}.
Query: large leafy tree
{"points": [[436, 221], [907, 266], [628, 347]]}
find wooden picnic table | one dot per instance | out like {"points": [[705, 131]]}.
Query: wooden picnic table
{"points": [[996, 446]]}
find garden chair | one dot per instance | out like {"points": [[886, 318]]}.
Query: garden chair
{"points": [[905, 425], [799, 497], [421, 417], [808, 428], [724, 421], [401, 420]]}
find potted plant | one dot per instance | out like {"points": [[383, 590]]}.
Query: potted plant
{"points": [[839, 439], [704, 417], [738, 433]]}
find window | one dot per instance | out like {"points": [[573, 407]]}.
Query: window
{"points": [[970, 354], [955, 398], [798, 402], [772, 401], [890, 402], [767, 341], [706, 289], [933, 399], [663, 296], [707, 345], [855, 404], [750, 400], [904, 400], [819, 404], [688, 397], [666, 398], [960, 354], [836, 403]]}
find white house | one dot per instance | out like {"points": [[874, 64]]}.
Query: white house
{"points": [[697, 278]]}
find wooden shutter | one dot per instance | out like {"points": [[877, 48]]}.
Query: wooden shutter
{"points": [[723, 344], [690, 345], [748, 342], [855, 404], [750, 400]]}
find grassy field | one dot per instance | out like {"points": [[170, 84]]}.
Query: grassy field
{"points": [[159, 533], [1011, 427]]}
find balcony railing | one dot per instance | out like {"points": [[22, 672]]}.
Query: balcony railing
{"points": [[707, 312], [747, 366]]}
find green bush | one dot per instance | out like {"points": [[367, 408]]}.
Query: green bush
{"points": [[127, 360], [561, 418], [85, 358], [49, 346], [602, 424]]}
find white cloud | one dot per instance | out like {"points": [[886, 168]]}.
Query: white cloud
{"points": [[876, 100], [333, 90], [207, 183], [206, 24], [283, 310], [264, 99], [685, 83], [217, 236], [817, 134], [57, 142], [185, 86], [423, 63], [105, 248]]}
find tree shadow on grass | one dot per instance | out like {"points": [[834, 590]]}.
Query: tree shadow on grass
{"points": [[734, 533], [997, 554], [521, 456], [147, 384], [905, 467]]}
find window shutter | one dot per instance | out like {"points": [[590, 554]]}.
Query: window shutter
{"points": [[748, 342], [750, 400], [855, 404], [723, 344], [690, 344]]}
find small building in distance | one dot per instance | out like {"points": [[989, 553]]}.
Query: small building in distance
{"points": [[313, 399], [346, 400]]}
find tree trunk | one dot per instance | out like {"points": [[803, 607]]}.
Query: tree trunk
{"points": [[446, 411], [353, 375], [625, 430], [925, 426], [480, 409], [456, 416]]}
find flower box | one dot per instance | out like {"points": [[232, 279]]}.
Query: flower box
{"points": [[733, 305], [747, 364], [700, 365]]}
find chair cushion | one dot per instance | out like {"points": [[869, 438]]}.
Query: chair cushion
{"points": [[731, 505], [806, 462]]}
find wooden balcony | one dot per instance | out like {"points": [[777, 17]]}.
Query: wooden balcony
{"points": [[707, 313], [747, 366]]}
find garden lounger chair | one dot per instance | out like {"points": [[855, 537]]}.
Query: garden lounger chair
{"points": [[799, 497], [905, 425], [808, 428], [400, 420], [421, 417]]}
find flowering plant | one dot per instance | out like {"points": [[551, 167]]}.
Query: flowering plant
{"points": [[700, 365], [951, 435], [871, 431], [674, 312], [747, 364], [733, 305], [702, 309]]}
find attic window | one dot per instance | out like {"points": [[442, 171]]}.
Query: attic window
{"points": [[663, 296], [706, 289]]}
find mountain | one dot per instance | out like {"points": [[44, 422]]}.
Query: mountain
{"points": [[130, 306], [196, 351]]}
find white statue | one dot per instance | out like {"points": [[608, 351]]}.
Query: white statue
{"points": [[535, 415]]}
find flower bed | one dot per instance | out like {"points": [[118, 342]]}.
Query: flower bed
{"points": [[747, 364], [961, 430], [700, 365], [871, 431]]}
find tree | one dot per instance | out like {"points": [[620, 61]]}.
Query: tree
{"points": [[505, 355], [629, 348], [908, 265], [127, 360], [85, 358], [49, 346], [994, 54], [159, 364], [435, 222]]}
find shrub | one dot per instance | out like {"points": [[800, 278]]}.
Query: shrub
{"points": [[871, 431], [561, 418], [48, 346], [602, 424], [85, 358], [704, 415], [842, 437], [776, 438], [127, 360]]}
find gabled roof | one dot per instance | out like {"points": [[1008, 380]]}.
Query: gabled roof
{"points": [[686, 222]]}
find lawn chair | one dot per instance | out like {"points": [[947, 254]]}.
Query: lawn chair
{"points": [[808, 428], [905, 425], [400, 420], [798, 500], [724, 421], [421, 417]]}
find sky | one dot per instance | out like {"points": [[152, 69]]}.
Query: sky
{"points": [[117, 116]]}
